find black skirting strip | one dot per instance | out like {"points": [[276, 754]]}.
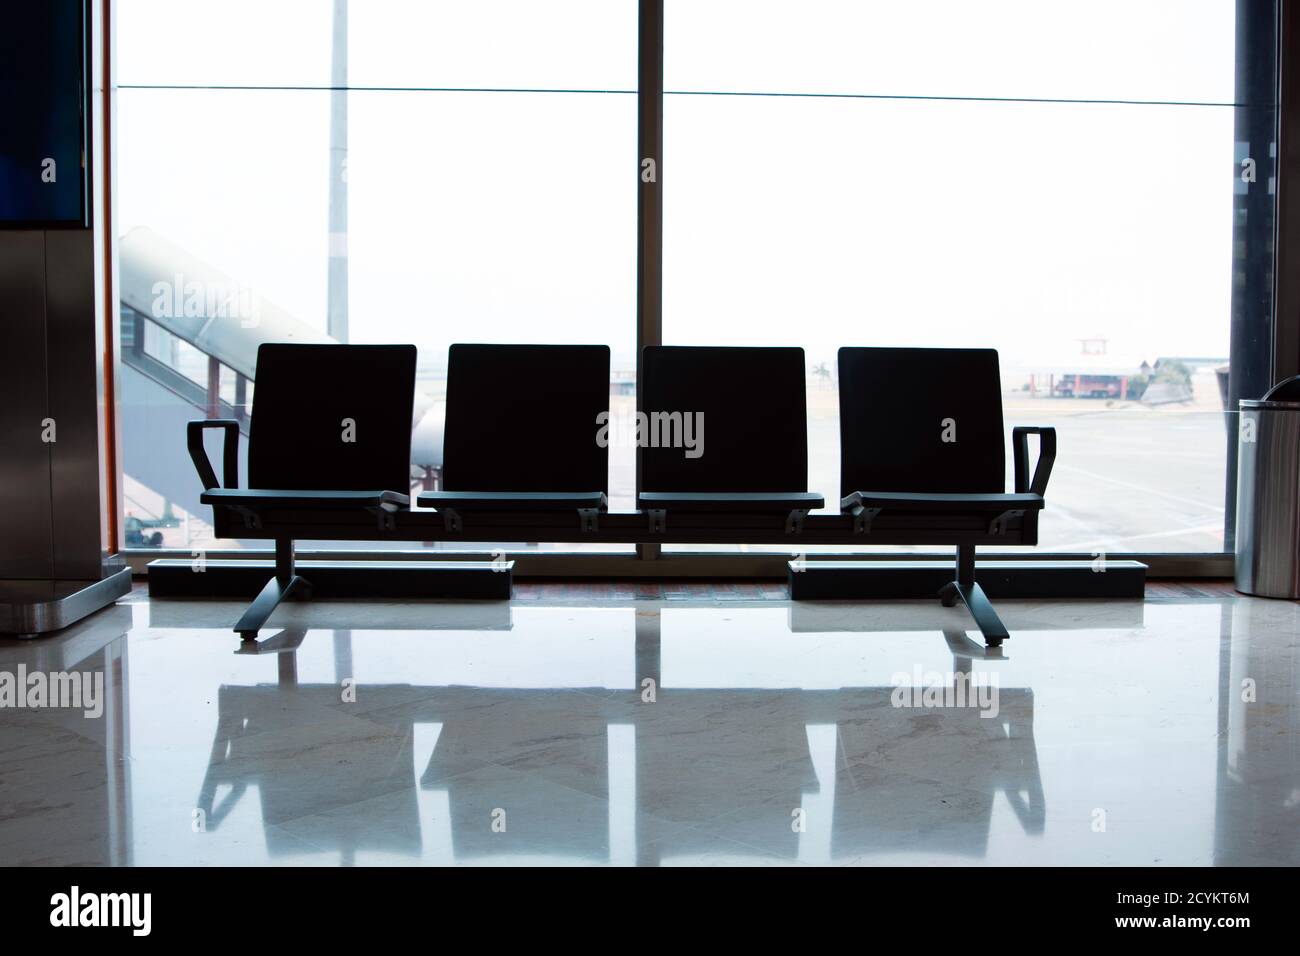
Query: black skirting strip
{"points": [[468, 580], [854, 580]]}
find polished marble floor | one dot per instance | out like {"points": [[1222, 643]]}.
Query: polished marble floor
{"points": [[560, 729]]}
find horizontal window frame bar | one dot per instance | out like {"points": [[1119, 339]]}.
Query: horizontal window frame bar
{"points": [[702, 564], [773, 94], [312, 88]]}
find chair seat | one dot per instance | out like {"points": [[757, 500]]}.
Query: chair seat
{"points": [[942, 503], [729, 501], [514, 500], [261, 499]]}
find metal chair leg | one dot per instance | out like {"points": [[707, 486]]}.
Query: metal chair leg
{"points": [[972, 595], [285, 583]]}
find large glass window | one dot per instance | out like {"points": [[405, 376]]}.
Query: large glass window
{"points": [[1087, 188], [1053, 180], [425, 172]]}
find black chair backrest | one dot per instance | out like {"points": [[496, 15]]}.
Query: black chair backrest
{"points": [[897, 407], [304, 400], [754, 406], [523, 418]]}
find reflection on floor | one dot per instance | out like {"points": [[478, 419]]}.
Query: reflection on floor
{"points": [[731, 729]]}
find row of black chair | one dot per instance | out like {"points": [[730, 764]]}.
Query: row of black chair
{"points": [[921, 449]]}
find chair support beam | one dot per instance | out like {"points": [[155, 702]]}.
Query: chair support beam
{"points": [[965, 589], [285, 583]]}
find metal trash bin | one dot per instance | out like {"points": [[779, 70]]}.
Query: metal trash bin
{"points": [[1268, 493]]}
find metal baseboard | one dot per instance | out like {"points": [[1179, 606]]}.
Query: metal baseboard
{"points": [[702, 564], [32, 608], [874, 580], [462, 580]]}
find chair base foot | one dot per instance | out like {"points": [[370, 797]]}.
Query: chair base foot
{"points": [[980, 608], [273, 592]]}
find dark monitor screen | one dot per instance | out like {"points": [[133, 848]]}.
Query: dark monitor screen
{"points": [[43, 113]]}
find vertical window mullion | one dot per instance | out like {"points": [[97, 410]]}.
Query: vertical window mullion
{"points": [[650, 210]]}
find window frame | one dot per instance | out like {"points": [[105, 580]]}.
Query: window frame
{"points": [[648, 560]]}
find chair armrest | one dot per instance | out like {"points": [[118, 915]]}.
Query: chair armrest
{"points": [[1046, 457], [229, 452]]}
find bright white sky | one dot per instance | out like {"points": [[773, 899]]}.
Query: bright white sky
{"points": [[816, 222]]}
